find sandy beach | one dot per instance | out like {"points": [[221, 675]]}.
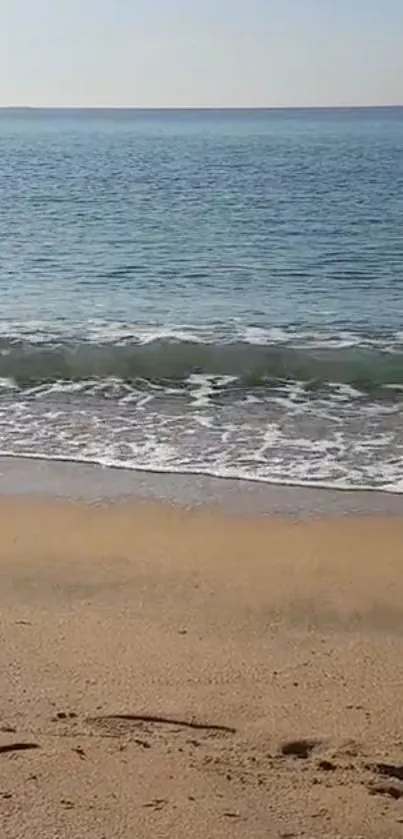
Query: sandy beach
{"points": [[190, 673]]}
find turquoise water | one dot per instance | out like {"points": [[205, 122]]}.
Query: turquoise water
{"points": [[216, 292]]}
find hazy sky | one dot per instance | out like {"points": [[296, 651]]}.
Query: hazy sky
{"points": [[201, 52]]}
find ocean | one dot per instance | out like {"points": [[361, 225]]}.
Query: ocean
{"points": [[208, 292]]}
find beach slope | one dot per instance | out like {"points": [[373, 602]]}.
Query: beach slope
{"points": [[177, 673]]}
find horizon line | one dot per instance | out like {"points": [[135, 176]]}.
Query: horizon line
{"points": [[198, 107]]}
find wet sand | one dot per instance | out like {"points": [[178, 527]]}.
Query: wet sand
{"points": [[182, 673], [41, 478]]}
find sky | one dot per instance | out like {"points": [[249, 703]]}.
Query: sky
{"points": [[201, 53]]}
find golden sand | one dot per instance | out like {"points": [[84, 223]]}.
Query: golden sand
{"points": [[162, 660]]}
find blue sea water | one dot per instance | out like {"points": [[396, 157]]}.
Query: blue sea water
{"points": [[205, 291]]}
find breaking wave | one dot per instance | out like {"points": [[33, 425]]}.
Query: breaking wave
{"points": [[367, 369]]}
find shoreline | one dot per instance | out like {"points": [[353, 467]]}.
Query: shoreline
{"points": [[91, 482]]}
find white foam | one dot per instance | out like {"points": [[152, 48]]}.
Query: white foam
{"points": [[8, 384], [205, 422], [262, 336], [202, 389], [224, 472], [395, 486], [285, 439], [346, 391], [103, 330]]}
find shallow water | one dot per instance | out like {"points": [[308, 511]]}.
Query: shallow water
{"points": [[213, 292]]}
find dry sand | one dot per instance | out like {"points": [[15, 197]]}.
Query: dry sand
{"points": [[161, 661]]}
